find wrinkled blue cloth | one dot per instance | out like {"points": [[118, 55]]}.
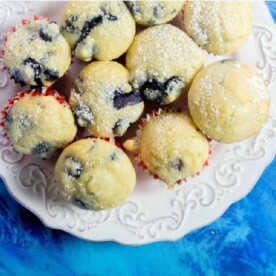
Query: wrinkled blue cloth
{"points": [[241, 242]]}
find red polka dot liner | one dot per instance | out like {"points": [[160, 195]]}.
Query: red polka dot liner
{"points": [[30, 93], [136, 156]]}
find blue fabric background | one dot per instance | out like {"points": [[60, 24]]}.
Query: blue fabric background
{"points": [[242, 242]]}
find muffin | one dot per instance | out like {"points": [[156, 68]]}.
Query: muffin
{"points": [[170, 147], [149, 13], [163, 61], [229, 101], [94, 174], [98, 29], [103, 101], [39, 124], [36, 53], [220, 27]]}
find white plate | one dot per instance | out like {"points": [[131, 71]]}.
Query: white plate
{"points": [[152, 213]]}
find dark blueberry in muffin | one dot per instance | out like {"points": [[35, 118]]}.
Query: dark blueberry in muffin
{"points": [[51, 75], [44, 35], [73, 167], [122, 100], [83, 115], [113, 156], [43, 150], [49, 32], [157, 91], [93, 23], [37, 68], [177, 165]]}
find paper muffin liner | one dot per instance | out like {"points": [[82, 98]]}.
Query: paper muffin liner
{"points": [[29, 93], [13, 29], [137, 158]]}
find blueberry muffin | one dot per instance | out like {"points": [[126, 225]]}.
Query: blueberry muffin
{"points": [[170, 147], [94, 174], [163, 61], [229, 101], [39, 125], [36, 53], [98, 29], [220, 27], [149, 13], [103, 101]]}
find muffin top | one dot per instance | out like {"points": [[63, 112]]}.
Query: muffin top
{"points": [[220, 27], [229, 101], [98, 29], [39, 125], [171, 147], [36, 53], [162, 61], [103, 101], [94, 174], [149, 13]]}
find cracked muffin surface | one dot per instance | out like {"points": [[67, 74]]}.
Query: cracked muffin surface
{"points": [[163, 61], [149, 13], [98, 29], [36, 53], [94, 174], [103, 101]]}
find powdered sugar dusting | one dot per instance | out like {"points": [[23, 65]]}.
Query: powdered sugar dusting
{"points": [[218, 26], [162, 52]]}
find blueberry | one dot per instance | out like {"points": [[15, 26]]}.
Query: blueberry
{"points": [[87, 27], [37, 68], [51, 75], [69, 27], [133, 7], [49, 32], [74, 167], [93, 23], [45, 36], [43, 150], [157, 91], [113, 156], [83, 115], [122, 100], [177, 165]]}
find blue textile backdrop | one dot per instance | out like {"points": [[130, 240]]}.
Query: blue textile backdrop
{"points": [[241, 242]]}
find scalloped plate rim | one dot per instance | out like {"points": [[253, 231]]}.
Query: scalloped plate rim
{"points": [[62, 228]]}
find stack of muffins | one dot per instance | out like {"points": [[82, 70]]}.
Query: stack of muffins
{"points": [[227, 101]]}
